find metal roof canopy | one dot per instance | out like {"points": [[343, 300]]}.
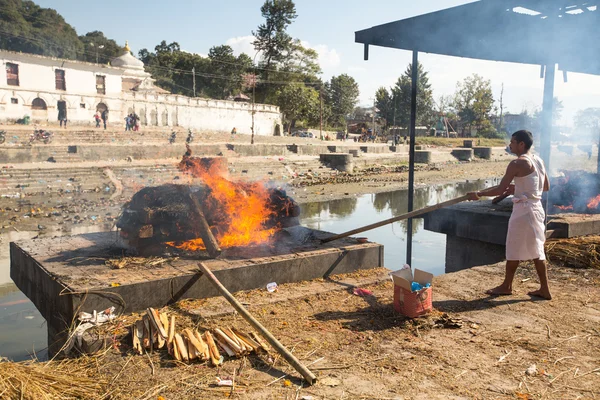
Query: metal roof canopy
{"points": [[541, 32], [537, 32]]}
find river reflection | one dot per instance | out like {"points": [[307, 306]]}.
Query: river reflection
{"points": [[429, 248]]}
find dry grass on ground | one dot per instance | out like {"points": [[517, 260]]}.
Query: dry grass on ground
{"points": [[471, 346]]}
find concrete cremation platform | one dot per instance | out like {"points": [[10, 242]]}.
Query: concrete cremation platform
{"points": [[476, 231], [65, 275]]}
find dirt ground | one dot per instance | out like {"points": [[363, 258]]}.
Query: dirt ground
{"points": [[471, 346]]}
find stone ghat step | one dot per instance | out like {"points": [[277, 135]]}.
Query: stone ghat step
{"points": [[104, 187], [63, 179]]}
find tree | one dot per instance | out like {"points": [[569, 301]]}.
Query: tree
{"points": [[297, 101], [300, 60], [92, 42], [557, 109], [587, 121], [401, 92], [26, 27], [271, 37], [342, 97], [384, 102], [474, 102], [227, 71]]}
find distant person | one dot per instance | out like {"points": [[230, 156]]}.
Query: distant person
{"points": [[526, 226], [97, 119], [104, 117], [234, 131], [128, 120], [135, 121], [62, 117]]}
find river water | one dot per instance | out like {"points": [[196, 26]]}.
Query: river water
{"points": [[23, 330]]}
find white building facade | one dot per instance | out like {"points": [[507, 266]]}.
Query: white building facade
{"points": [[39, 87]]}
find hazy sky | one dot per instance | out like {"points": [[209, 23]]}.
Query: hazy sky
{"points": [[327, 26]]}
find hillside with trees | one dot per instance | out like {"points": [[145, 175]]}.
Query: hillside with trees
{"points": [[29, 28]]}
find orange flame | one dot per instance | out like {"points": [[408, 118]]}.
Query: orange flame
{"points": [[593, 203], [240, 209], [564, 208]]}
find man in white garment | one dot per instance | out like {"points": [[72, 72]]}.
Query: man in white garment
{"points": [[526, 227]]}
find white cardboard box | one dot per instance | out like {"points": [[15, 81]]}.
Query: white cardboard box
{"points": [[404, 278]]}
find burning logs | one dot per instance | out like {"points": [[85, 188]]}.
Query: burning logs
{"points": [[173, 214], [575, 191], [155, 330]]}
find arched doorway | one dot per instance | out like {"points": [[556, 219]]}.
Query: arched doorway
{"points": [[101, 107], [39, 104], [154, 117], [277, 130], [165, 118], [39, 109]]}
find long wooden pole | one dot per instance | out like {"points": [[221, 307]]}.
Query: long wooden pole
{"points": [[212, 246], [407, 215], [289, 357]]}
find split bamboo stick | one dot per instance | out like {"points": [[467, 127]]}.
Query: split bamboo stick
{"points": [[155, 319], [215, 356], [222, 344], [171, 335], [232, 345], [206, 349], [199, 346], [181, 347]]}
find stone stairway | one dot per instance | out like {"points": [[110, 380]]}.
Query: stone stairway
{"points": [[15, 182]]}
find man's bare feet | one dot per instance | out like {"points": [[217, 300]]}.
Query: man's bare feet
{"points": [[499, 291], [544, 294]]}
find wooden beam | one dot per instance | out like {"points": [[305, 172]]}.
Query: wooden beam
{"points": [[212, 246]]}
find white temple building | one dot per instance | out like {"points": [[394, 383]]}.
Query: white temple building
{"points": [[38, 87]]}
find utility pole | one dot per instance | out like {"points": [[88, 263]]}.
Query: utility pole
{"points": [[194, 79], [321, 114], [501, 107], [374, 117]]}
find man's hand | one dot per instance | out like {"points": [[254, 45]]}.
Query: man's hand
{"points": [[473, 196]]}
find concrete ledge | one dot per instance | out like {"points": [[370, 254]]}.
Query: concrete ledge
{"points": [[464, 253], [422, 157], [354, 152], [339, 161], [463, 154], [572, 225], [479, 220], [44, 270], [483, 152]]}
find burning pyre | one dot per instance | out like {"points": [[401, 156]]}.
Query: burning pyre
{"points": [[576, 192], [239, 214]]}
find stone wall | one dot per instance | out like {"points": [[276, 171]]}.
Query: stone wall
{"points": [[155, 108]]}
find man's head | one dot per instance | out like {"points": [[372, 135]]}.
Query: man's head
{"points": [[521, 142]]}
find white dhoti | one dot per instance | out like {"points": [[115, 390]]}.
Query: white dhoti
{"points": [[526, 231]]}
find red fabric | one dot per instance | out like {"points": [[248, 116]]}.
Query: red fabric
{"points": [[412, 304]]}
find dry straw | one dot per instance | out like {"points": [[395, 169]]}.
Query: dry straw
{"points": [[580, 252], [56, 380]]}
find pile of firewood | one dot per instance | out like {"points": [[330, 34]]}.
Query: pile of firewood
{"points": [[155, 330]]}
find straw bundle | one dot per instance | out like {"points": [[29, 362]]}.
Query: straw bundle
{"points": [[579, 252], [63, 380]]}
